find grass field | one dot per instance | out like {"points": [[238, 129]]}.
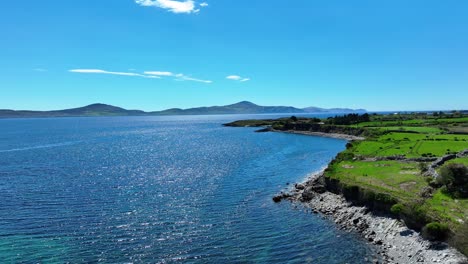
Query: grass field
{"points": [[412, 145], [402, 180], [459, 160], [428, 122], [432, 130]]}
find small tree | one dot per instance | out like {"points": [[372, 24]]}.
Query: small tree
{"points": [[455, 179], [294, 118]]}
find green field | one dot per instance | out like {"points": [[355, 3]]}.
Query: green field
{"points": [[459, 160], [402, 180], [376, 122], [432, 130], [412, 145]]}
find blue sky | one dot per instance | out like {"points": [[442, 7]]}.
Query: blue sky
{"points": [[151, 55]]}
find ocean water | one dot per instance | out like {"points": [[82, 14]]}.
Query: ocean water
{"points": [[161, 190]]}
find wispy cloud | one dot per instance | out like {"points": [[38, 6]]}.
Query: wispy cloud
{"points": [[146, 74], [237, 78], [187, 78], [97, 71], [159, 73], [178, 7], [40, 70], [178, 76]]}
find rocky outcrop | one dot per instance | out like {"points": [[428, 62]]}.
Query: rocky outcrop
{"points": [[265, 129], [278, 198], [462, 153]]}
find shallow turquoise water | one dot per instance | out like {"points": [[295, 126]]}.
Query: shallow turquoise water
{"points": [[160, 189]]}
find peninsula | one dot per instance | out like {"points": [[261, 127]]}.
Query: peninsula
{"points": [[398, 173]]}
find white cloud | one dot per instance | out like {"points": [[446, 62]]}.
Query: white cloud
{"points": [[146, 74], [178, 7], [178, 76], [187, 78], [234, 77], [159, 73], [97, 71], [237, 78]]}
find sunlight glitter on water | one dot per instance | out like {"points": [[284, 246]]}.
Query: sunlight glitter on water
{"points": [[142, 190]]}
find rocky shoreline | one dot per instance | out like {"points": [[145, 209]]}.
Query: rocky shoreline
{"points": [[395, 242]]}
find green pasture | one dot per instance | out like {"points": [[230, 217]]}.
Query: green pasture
{"points": [[440, 148], [418, 129], [413, 122], [463, 160], [402, 180], [411, 145]]}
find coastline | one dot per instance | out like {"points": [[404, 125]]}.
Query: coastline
{"points": [[320, 134], [338, 200], [395, 242]]}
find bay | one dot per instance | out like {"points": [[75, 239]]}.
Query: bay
{"points": [[161, 190]]}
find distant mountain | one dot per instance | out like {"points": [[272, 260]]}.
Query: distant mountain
{"points": [[243, 107], [90, 110], [313, 109]]}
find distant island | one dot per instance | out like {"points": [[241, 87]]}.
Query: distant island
{"points": [[243, 107]]}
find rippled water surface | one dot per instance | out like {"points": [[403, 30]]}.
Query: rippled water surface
{"points": [[160, 189]]}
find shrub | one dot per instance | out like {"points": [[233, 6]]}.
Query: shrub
{"points": [[454, 177], [344, 156], [278, 126], [461, 238], [385, 198], [416, 214], [397, 209], [422, 167], [428, 179], [435, 231]]}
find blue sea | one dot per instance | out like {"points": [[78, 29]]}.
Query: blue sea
{"points": [[161, 190]]}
